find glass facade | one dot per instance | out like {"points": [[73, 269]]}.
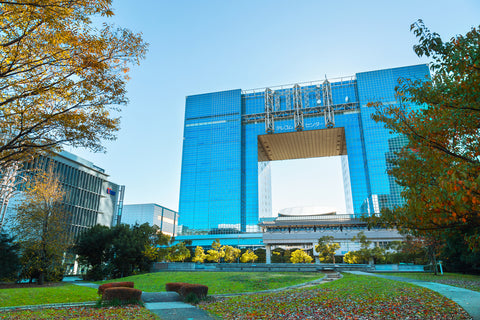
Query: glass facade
{"points": [[225, 187], [153, 214]]}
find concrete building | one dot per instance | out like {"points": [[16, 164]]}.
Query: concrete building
{"points": [[153, 214], [230, 137], [90, 197], [297, 229]]}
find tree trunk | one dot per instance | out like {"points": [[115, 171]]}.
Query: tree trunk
{"points": [[41, 278]]}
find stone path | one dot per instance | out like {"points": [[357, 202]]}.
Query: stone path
{"points": [[469, 300]]}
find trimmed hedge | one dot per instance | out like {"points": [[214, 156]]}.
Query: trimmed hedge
{"points": [[174, 286], [197, 289], [122, 294], [103, 287], [184, 289]]}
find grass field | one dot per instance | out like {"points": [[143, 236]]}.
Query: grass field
{"points": [[352, 297], [130, 312], [45, 295], [467, 281], [221, 282]]}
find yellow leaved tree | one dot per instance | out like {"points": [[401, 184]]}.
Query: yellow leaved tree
{"points": [[41, 227], [62, 77]]}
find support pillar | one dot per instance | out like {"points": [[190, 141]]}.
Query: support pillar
{"points": [[268, 254], [315, 253]]}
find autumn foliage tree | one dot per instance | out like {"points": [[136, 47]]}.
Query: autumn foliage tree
{"points": [[439, 168], [231, 254], [62, 77], [248, 256], [300, 256], [41, 227], [200, 255], [326, 249]]}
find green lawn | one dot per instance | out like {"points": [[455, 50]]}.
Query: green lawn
{"points": [[44, 295], [352, 297], [130, 312], [467, 281], [221, 282]]}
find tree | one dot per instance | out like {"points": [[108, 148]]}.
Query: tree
{"points": [[61, 77], [439, 167], [200, 255], [158, 249], [178, 252], [41, 227], [92, 249], [412, 250], [216, 253], [327, 249], [9, 257], [365, 254], [248, 256], [351, 257], [231, 253], [120, 253], [300, 256], [127, 247]]}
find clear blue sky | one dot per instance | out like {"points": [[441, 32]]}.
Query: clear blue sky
{"points": [[206, 46]]}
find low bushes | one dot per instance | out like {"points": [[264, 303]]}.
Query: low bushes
{"points": [[197, 289], [122, 294], [174, 286], [103, 287], [186, 289]]}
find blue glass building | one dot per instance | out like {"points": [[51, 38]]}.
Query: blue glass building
{"points": [[231, 136]]}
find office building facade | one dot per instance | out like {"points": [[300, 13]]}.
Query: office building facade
{"points": [[230, 137], [90, 198], [153, 214]]}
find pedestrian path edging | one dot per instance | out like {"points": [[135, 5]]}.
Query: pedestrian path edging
{"points": [[50, 305], [469, 300]]}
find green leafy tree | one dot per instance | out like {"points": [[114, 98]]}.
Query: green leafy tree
{"points": [[248, 256], [200, 255], [278, 256], [126, 253], [326, 249], [231, 254], [366, 254], [439, 167], [412, 250], [62, 78], [41, 227], [92, 248], [115, 252], [9, 257], [300, 256], [178, 252], [157, 249]]}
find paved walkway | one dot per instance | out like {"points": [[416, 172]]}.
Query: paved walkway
{"points": [[469, 300]]}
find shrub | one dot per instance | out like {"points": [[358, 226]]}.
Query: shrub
{"points": [[186, 290], [103, 287], [191, 298], [174, 286], [122, 294], [197, 289]]}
